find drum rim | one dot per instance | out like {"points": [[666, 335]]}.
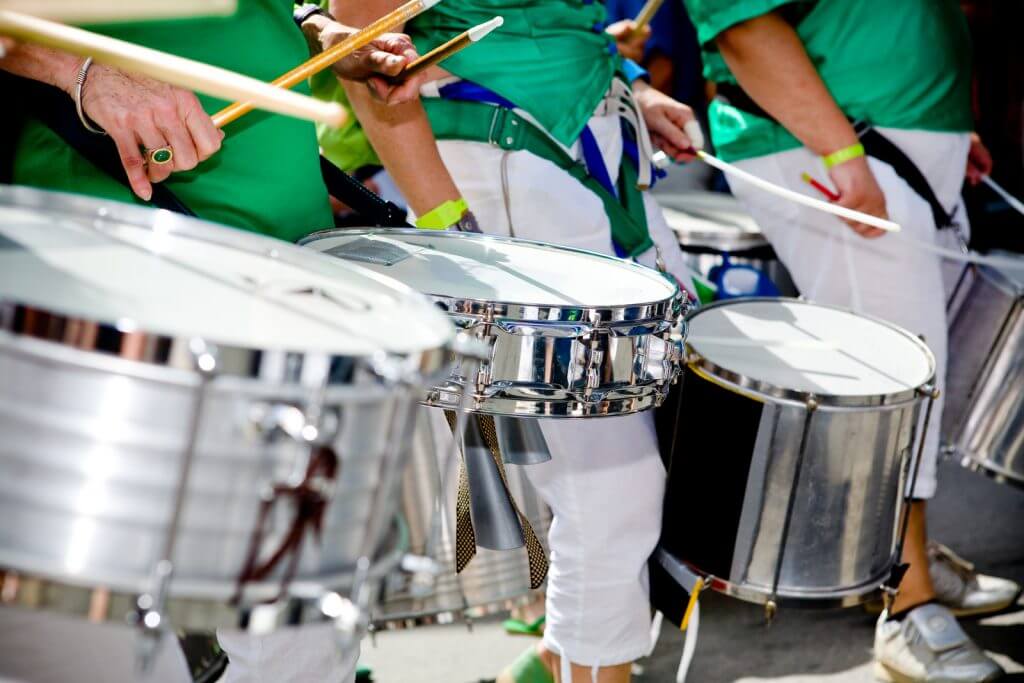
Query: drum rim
{"points": [[114, 211], [759, 388], [655, 310]]}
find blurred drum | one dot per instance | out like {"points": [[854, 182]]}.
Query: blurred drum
{"points": [[715, 231], [202, 416], [493, 580], [791, 490], [571, 333], [983, 420]]}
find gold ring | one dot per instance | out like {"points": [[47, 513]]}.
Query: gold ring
{"points": [[161, 156]]}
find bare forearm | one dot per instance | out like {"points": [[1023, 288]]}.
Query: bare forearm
{"points": [[58, 69], [770, 62]]}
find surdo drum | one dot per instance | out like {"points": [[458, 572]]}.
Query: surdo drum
{"points": [[203, 417], [571, 333], [983, 420], [791, 491]]}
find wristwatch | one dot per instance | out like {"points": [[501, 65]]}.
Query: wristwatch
{"points": [[304, 12]]}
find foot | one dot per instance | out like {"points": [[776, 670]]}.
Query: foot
{"points": [[963, 590], [928, 646]]}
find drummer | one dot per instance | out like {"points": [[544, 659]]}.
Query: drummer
{"points": [[263, 176], [552, 59], [791, 78]]}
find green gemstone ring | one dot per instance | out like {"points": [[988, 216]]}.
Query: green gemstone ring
{"points": [[161, 156]]}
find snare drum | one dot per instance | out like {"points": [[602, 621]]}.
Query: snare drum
{"points": [[171, 390], [715, 231], [983, 420], [791, 489], [571, 333]]}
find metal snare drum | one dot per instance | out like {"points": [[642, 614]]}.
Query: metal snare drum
{"points": [[571, 333], [711, 226], [492, 580], [983, 420], [168, 385], [792, 489]]}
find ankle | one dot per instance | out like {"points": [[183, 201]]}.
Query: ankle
{"points": [[901, 613]]}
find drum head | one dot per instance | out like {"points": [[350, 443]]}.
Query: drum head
{"points": [[790, 348], [478, 268], [161, 273], [711, 220]]}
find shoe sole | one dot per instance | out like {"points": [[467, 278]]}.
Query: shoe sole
{"points": [[887, 675], [875, 607]]}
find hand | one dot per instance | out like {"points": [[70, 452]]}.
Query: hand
{"points": [[385, 56], [979, 161], [630, 42], [140, 114], [858, 190], [672, 125]]}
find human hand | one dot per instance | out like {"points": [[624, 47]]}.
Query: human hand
{"points": [[142, 114], [673, 127], [631, 42], [859, 190], [979, 161], [376, 63]]}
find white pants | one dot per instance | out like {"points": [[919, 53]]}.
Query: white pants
{"points": [[42, 647], [886, 277], [605, 481]]}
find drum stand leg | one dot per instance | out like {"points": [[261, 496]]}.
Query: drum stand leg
{"points": [[890, 589], [149, 616], [771, 607]]}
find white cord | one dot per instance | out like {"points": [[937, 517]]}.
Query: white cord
{"points": [[792, 196], [1009, 198], [689, 645]]}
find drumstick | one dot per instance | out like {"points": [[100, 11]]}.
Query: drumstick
{"points": [[331, 56], [453, 46], [177, 71], [1007, 197], [646, 14], [827, 193], [792, 196]]}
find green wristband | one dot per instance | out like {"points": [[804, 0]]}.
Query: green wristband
{"points": [[444, 216], [843, 155]]}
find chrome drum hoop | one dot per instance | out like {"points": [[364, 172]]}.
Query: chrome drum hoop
{"points": [[557, 361]]}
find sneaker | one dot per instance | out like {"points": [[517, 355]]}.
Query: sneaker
{"points": [[928, 646], [963, 590]]}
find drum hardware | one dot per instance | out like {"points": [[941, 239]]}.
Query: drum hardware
{"points": [[149, 617]]}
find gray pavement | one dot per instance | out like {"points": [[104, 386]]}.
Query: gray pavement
{"points": [[980, 519]]}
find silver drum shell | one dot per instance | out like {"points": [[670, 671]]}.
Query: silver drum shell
{"points": [[93, 445], [983, 422], [492, 579]]}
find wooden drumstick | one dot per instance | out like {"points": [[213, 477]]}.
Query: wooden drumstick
{"points": [[171, 69], [646, 14], [331, 56], [453, 46]]}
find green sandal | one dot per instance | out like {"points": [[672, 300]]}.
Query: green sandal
{"points": [[528, 668], [516, 627]]}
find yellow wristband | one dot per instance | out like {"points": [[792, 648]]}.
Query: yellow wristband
{"points": [[843, 155], [444, 216]]}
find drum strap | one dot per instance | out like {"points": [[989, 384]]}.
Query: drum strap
{"points": [[465, 536]]}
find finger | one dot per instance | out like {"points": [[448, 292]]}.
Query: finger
{"points": [[151, 139], [180, 141], [131, 159], [380, 89], [670, 129], [207, 137], [693, 131]]}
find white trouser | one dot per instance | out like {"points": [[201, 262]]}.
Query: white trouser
{"points": [[42, 647], [886, 277], [605, 481]]}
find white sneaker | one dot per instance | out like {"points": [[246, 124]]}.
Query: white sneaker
{"points": [[963, 590], [928, 646]]}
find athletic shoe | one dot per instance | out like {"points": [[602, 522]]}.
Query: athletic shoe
{"points": [[963, 590], [928, 646]]}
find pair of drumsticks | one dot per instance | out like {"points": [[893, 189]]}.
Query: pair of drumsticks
{"points": [[247, 93]]}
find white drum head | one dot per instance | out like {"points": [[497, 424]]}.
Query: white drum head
{"points": [[161, 273], [807, 348], [462, 266], [712, 220]]}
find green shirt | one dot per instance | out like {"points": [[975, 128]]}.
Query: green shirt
{"points": [[266, 177], [551, 58], [894, 63]]}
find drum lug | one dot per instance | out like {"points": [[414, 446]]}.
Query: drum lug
{"points": [[770, 610], [148, 617]]}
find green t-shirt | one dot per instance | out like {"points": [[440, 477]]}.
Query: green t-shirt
{"points": [[266, 177], [551, 58], [894, 63]]}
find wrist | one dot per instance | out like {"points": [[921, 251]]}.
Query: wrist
{"points": [[444, 215], [841, 155]]}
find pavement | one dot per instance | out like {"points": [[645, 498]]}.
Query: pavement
{"points": [[977, 517]]}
